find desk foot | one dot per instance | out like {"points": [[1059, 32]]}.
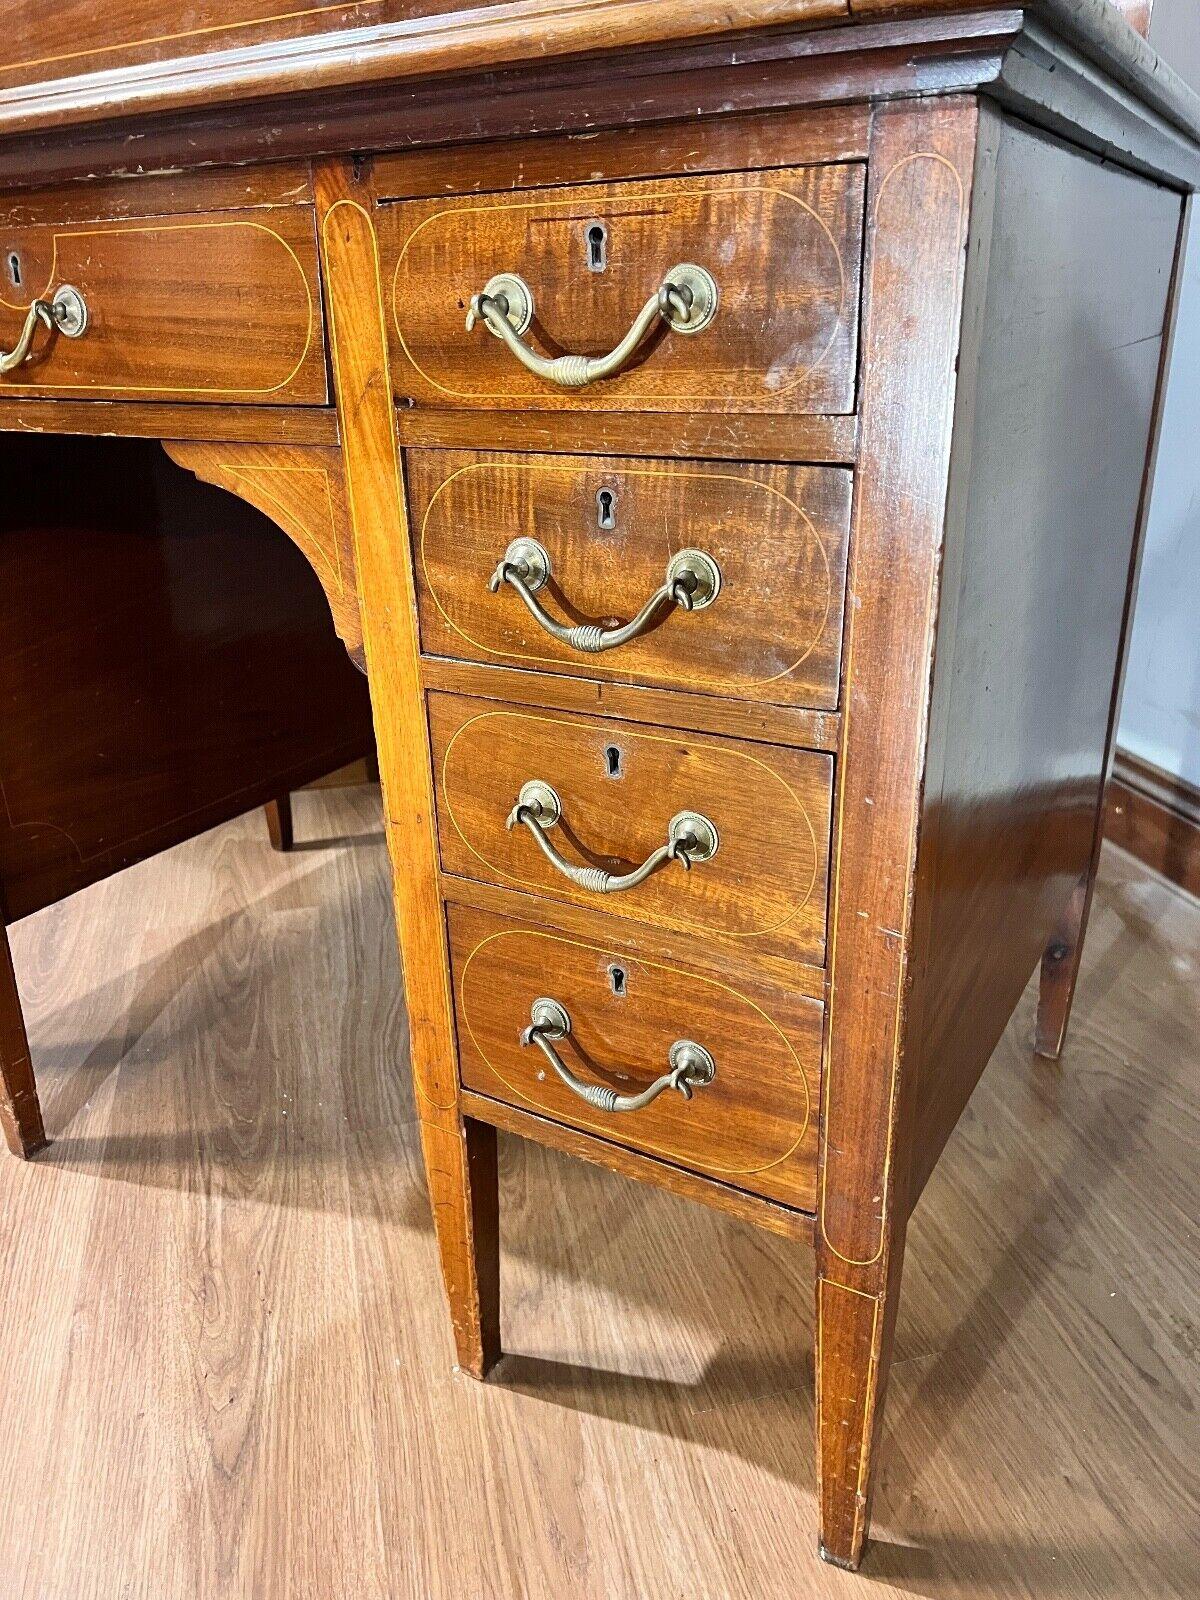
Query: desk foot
{"points": [[460, 1164], [279, 822], [20, 1109], [1060, 970], [837, 1561]]}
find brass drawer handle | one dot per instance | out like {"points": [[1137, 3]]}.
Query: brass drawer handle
{"points": [[691, 838], [692, 583], [691, 1066], [67, 313], [686, 301]]}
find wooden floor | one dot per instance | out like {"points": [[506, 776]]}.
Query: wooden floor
{"points": [[225, 1355]]}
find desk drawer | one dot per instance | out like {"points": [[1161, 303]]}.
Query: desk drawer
{"points": [[617, 789], [781, 247], [221, 307], [753, 1125], [608, 529]]}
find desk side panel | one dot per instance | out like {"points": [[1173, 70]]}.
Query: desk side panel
{"points": [[1050, 460]]}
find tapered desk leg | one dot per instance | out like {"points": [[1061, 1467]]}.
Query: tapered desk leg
{"points": [[279, 822], [855, 1329], [460, 1156], [918, 196], [1060, 971], [20, 1109]]}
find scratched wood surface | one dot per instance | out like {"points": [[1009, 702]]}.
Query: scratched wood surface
{"points": [[225, 1347]]}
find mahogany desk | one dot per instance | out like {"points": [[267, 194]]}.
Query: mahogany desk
{"points": [[723, 433]]}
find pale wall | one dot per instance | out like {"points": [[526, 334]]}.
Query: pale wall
{"points": [[1160, 719]]}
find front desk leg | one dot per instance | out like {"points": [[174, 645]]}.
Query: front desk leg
{"points": [[460, 1156], [922, 162], [1060, 966], [20, 1109]]}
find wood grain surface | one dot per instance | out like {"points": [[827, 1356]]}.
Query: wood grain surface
{"points": [[460, 1155], [796, 137], [148, 419], [1057, 437], [753, 1127], [224, 1331], [302, 490], [338, 35], [762, 893], [784, 248], [812, 730], [922, 164], [777, 536], [168, 312]]}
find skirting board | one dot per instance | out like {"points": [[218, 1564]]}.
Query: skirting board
{"points": [[1156, 817]]}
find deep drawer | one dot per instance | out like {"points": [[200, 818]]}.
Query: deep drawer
{"points": [[753, 1125], [223, 306], [781, 248], [619, 789], [608, 530]]}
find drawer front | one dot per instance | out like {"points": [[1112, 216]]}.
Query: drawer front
{"points": [[222, 307], [752, 1126], [609, 529], [783, 248], [618, 790]]}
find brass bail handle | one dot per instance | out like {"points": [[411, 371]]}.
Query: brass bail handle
{"points": [[690, 1066], [692, 582], [691, 839], [65, 312], [686, 300]]}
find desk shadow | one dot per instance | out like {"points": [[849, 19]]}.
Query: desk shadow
{"points": [[599, 1229], [210, 1071], [1015, 1569], [345, 841]]}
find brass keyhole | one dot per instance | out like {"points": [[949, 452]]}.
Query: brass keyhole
{"points": [[617, 981], [14, 269], [612, 761]]}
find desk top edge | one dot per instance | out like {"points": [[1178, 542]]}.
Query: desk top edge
{"points": [[512, 34]]}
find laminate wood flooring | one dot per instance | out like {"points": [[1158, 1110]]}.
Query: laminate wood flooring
{"points": [[226, 1357]]}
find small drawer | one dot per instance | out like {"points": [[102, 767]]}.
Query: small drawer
{"points": [[752, 1123], [223, 306], [759, 618], [735, 293], [570, 806]]}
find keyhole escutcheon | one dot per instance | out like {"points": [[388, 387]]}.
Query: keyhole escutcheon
{"points": [[606, 509], [596, 235]]}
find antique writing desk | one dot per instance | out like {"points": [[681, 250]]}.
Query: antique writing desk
{"points": [[722, 432]]}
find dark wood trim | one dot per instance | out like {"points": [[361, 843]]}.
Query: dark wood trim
{"points": [[506, 32], [150, 419], [1050, 84], [20, 1109], [790, 725], [415, 84], [1156, 817], [809, 439], [280, 829], [793, 137], [630, 1164], [923, 167], [524, 32], [729, 73]]}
